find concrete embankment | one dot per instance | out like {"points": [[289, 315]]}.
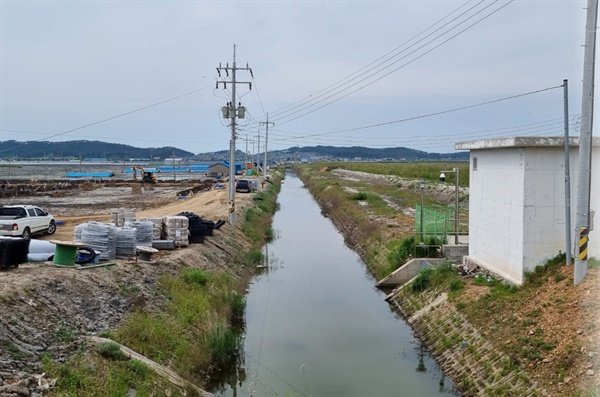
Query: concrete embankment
{"points": [[476, 366]]}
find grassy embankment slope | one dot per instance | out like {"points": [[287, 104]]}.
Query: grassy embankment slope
{"points": [[491, 338], [377, 216], [194, 322]]}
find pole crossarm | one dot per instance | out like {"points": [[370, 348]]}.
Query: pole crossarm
{"points": [[233, 112]]}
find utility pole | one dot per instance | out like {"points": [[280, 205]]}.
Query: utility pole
{"points": [[266, 140], [246, 160], [583, 220], [173, 163], [230, 111], [253, 156], [258, 153]]}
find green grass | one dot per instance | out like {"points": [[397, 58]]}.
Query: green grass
{"points": [[253, 257], [360, 196], [92, 375], [224, 345], [65, 333], [440, 276], [429, 171], [258, 219], [194, 276], [110, 350]]}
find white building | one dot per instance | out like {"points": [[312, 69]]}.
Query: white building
{"points": [[517, 202]]}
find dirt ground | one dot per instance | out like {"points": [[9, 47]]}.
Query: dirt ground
{"points": [[45, 309]]}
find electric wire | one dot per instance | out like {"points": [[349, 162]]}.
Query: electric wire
{"points": [[113, 117], [555, 121], [349, 77], [285, 121], [432, 140], [434, 113]]}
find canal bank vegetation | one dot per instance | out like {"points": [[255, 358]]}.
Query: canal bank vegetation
{"points": [[191, 319], [491, 338], [414, 171], [377, 216]]}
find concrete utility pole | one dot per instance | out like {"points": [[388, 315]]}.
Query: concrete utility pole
{"points": [[253, 156], [231, 111], [585, 144], [246, 160], [266, 140], [258, 153]]}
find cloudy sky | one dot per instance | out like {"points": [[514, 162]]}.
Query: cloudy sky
{"points": [[323, 70]]}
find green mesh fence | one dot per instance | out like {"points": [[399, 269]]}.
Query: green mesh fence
{"points": [[435, 223]]}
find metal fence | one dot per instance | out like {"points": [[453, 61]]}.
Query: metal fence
{"points": [[435, 222]]}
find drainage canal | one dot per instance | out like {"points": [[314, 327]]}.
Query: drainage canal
{"points": [[317, 326]]}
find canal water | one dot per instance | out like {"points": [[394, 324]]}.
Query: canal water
{"points": [[317, 326]]}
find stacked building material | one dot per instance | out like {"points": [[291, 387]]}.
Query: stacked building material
{"points": [[126, 241], [77, 232], [119, 216], [13, 251], [176, 228], [102, 237], [145, 232], [157, 227]]}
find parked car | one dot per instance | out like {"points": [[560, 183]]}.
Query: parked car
{"points": [[24, 221], [242, 185]]}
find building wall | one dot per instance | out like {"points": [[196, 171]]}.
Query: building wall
{"points": [[518, 222], [544, 212], [218, 169], [496, 211]]}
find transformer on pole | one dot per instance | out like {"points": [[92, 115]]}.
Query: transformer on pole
{"points": [[232, 112]]}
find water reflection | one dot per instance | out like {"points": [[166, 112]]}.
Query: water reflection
{"points": [[317, 326]]}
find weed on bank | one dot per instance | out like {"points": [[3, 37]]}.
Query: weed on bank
{"points": [[196, 331]]}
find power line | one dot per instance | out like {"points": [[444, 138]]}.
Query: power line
{"points": [[341, 82], [392, 71], [113, 117], [556, 121], [285, 119], [432, 114]]}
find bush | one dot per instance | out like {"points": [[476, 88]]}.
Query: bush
{"points": [[253, 257], [423, 280], [457, 285], [139, 368], [360, 196], [111, 351], [224, 345], [194, 276], [238, 306]]}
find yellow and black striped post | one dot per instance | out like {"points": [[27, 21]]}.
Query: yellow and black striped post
{"points": [[583, 243]]}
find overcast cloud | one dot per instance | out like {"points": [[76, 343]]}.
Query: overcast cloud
{"points": [[65, 64]]}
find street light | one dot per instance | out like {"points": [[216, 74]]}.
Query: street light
{"points": [[443, 178], [422, 185]]}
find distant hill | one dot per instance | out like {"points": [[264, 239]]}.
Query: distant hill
{"points": [[364, 153], [83, 150], [118, 152]]}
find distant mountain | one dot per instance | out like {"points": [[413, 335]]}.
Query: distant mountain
{"points": [[118, 152], [83, 150], [365, 153]]}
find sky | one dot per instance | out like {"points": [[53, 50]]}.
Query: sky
{"points": [[144, 73]]}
